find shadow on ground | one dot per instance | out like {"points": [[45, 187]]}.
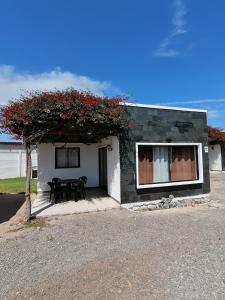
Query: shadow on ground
{"points": [[9, 205]]}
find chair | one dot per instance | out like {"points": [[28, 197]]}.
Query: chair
{"points": [[81, 189], [78, 188], [55, 180], [67, 190], [58, 190], [83, 178], [51, 184]]}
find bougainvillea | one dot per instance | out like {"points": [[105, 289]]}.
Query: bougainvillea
{"points": [[215, 135], [67, 115]]}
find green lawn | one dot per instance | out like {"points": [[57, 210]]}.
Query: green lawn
{"points": [[16, 185]]}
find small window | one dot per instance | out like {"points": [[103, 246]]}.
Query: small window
{"points": [[167, 164], [67, 158]]}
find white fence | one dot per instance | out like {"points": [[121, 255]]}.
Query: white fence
{"points": [[13, 163]]}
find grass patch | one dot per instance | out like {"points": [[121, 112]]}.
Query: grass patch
{"points": [[16, 185]]}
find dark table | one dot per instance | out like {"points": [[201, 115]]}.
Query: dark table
{"points": [[72, 185], [69, 181]]}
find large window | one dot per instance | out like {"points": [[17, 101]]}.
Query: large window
{"points": [[168, 164], [67, 158]]}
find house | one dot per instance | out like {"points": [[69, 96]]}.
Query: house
{"points": [[163, 152], [217, 156], [12, 160], [216, 141]]}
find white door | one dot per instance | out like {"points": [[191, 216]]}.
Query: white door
{"points": [[215, 159]]}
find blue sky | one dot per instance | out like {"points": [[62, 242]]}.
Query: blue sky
{"points": [[168, 52]]}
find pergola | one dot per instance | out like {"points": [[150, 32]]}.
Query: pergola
{"points": [[61, 116]]}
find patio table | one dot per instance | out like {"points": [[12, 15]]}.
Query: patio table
{"points": [[69, 183]]}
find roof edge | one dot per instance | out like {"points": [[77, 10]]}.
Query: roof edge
{"points": [[165, 107]]}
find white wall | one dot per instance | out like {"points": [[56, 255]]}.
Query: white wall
{"points": [[47, 170], [215, 158], [89, 165], [13, 161], [113, 167]]}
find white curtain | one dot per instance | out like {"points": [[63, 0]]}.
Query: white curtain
{"points": [[160, 164]]}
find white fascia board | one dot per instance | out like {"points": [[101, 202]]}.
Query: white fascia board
{"points": [[165, 107]]}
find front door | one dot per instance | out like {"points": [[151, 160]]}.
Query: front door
{"points": [[102, 154]]}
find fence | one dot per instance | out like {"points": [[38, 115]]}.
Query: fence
{"points": [[13, 163]]}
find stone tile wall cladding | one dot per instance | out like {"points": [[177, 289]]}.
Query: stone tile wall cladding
{"points": [[223, 155], [160, 126]]}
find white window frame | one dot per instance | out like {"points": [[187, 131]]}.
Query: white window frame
{"points": [[154, 185]]}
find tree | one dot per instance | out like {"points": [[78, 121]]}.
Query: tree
{"points": [[215, 135], [61, 116]]}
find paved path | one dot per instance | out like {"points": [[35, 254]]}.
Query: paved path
{"points": [[96, 200], [119, 254]]}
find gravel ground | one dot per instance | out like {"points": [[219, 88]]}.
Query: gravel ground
{"points": [[119, 254]]}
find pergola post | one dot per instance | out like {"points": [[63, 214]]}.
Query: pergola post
{"points": [[28, 177]]}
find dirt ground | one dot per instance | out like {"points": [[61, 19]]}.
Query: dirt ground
{"points": [[119, 254]]}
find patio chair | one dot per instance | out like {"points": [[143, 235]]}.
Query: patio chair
{"points": [[55, 180], [67, 190], [78, 188], [55, 191], [83, 178], [51, 184], [59, 190], [81, 189]]}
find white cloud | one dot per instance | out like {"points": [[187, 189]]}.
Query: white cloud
{"points": [[214, 114], [13, 83], [201, 101], [178, 28], [179, 21]]}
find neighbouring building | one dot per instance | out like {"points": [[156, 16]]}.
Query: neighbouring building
{"points": [[216, 140], [217, 157], [12, 160]]}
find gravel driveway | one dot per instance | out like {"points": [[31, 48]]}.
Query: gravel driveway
{"points": [[119, 254]]}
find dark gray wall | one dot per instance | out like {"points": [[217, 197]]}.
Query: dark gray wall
{"points": [[223, 155], [160, 126]]}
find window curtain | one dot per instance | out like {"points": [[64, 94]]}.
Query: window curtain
{"points": [[183, 165], [145, 164], [161, 164], [73, 157], [67, 157], [61, 157]]}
